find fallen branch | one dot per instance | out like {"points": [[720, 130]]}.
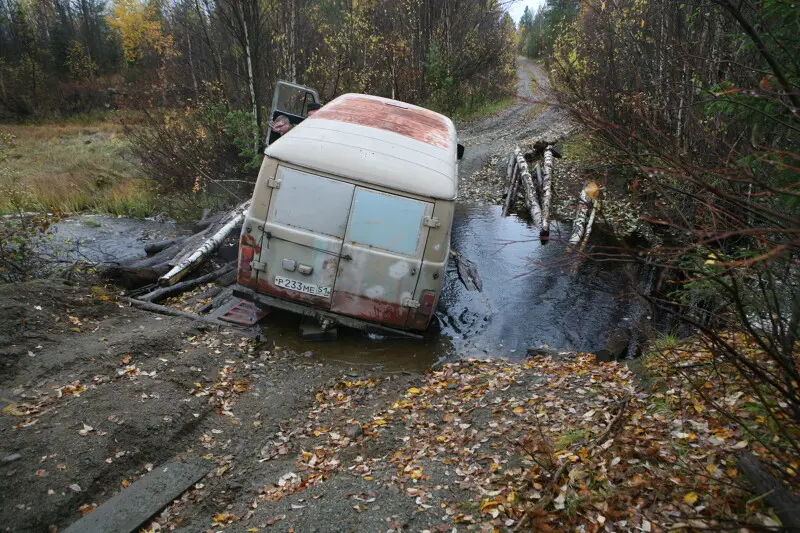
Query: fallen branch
{"points": [[467, 272], [164, 310], [235, 218], [785, 504], [165, 292], [595, 207], [529, 189]]}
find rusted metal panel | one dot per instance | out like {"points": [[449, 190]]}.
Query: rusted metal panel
{"points": [[369, 309], [404, 119]]}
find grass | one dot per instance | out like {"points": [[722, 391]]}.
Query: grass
{"points": [[571, 437], [483, 109], [74, 165]]}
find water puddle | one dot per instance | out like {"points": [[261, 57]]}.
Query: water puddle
{"points": [[98, 238], [532, 295], [526, 300]]}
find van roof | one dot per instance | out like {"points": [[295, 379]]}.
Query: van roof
{"points": [[377, 141]]}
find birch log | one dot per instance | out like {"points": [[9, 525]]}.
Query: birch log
{"points": [[512, 180], [547, 187], [579, 225], [595, 207], [164, 292], [539, 178], [235, 218], [529, 189]]}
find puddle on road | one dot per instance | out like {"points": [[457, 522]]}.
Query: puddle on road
{"points": [[525, 302], [99, 238]]}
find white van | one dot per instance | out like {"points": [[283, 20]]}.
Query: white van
{"points": [[351, 216]]}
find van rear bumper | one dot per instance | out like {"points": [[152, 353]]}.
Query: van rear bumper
{"points": [[263, 300]]}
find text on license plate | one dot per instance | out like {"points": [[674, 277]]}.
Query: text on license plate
{"points": [[299, 286]]}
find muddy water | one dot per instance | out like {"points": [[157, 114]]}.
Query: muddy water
{"points": [[98, 238], [530, 296]]}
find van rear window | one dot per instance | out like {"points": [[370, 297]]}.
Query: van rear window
{"points": [[310, 202], [386, 221]]}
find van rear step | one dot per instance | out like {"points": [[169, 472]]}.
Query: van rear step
{"points": [[242, 312], [263, 301]]}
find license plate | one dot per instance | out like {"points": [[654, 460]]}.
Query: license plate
{"points": [[305, 288]]}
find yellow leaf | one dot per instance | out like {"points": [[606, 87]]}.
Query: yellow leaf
{"points": [[380, 422], [125, 483], [487, 505], [690, 498], [519, 410], [413, 390]]}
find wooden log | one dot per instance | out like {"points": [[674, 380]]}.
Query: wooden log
{"points": [[539, 178], [234, 218], [589, 223], [164, 310], [178, 288], [512, 181], [785, 504], [514, 187], [529, 189], [547, 187], [579, 224], [155, 247], [467, 272], [133, 277]]}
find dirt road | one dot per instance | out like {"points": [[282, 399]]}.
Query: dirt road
{"points": [[489, 140], [94, 395]]}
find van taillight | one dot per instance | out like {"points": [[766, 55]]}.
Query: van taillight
{"points": [[246, 254]]}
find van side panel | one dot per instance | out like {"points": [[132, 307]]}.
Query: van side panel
{"points": [[250, 239]]}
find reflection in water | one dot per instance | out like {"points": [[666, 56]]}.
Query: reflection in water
{"points": [[531, 296]]}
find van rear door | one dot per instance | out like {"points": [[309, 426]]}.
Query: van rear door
{"points": [[385, 241], [302, 239]]}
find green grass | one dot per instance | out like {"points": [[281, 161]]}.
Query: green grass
{"points": [[483, 109], [665, 341], [72, 165], [571, 437]]}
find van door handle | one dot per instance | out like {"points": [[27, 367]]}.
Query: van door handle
{"points": [[305, 269]]}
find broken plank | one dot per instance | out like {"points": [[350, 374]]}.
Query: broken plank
{"points": [[133, 506]]}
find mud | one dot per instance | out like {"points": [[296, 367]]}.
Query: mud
{"points": [[94, 394]]}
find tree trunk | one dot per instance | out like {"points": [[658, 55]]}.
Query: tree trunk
{"points": [[529, 189], [547, 189], [212, 243], [251, 81]]}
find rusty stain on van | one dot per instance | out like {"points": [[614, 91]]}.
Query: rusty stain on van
{"points": [[407, 120]]}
